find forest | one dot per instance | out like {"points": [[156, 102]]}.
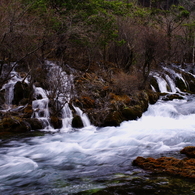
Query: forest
{"points": [[112, 46], [96, 34]]}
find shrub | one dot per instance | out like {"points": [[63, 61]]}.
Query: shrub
{"points": [[124, 83]]}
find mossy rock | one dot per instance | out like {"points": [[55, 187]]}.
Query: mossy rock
{"points": [[132, 113], [189, 151], [154, 83], [28, 111], [77, 122], [21, 91], [170, 97], [125, 99], [14, 124], [113, 119], [180, 84], [34, 123], [153, 96], [190, 80], [56, 122], [85, 102]]}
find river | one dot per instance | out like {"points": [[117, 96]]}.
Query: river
{"points": [[90, 158], [95, 160]]}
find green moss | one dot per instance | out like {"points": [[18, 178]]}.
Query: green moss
{"points": [[132, 113], [113, 119]]}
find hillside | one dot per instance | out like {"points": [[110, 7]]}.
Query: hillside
{"points": [[109, 48]]}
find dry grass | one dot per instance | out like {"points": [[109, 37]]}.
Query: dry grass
{"points": [[124, 83]]}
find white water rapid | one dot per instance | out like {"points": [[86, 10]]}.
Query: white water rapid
{"points": [[70, 161], [58, 163]]}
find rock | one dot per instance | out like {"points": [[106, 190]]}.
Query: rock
{"points": [[113, 119], [56, 122], [154, 83], [21, 90], [189, 151], [85, 102], [14, 124], [77, 122], [34, 123], [153, 96], [180, 84], [169, 97], [190, 80], [28, 111], [170, 165], [132, 112]]}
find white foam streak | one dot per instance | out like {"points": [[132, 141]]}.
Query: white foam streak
{"points": [[14, 166], [162, 128]]}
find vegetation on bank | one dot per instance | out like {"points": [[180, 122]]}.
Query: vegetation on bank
{"points": [[94, 35], [112, 44]]}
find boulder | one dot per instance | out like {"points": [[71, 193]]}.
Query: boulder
{"points": [[34, 123], [170, 165], [170, 97], [21, 90], [113, 119], [14, 124], [56, 122], [153, 96], [28, 111], [77, 122], [132, 112], [189, 151]]}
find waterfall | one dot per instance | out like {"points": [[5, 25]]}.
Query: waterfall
{"points": [[175, 74], [162, 84], [171, 84], [40, 107], [166, 80], [9, 89], [66, 117], [83, 116], [61, 87]]}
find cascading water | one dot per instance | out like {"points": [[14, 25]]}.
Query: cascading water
{"points": [[9, 89], [40, 107], [166, 80], [93, 158], [61, 89], [83, 116]]}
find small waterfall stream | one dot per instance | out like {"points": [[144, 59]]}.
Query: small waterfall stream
{"points": [[84, 118], [63, 89], [40, 107], [9, 89], [166, 80]]}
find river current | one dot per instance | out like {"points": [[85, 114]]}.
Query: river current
{"points": [[68, 162]]}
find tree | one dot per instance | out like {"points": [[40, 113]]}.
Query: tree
{"points": [[170, 21]]}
